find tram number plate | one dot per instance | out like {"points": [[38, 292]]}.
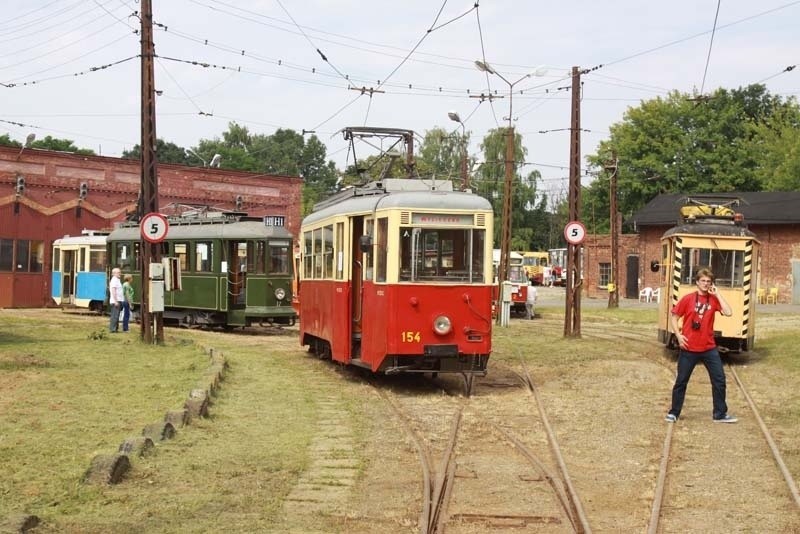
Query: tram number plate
{"points": [[440, 350], [410, 337]]}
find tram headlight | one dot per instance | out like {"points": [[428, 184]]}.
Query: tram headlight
{"points": [[442, 325], [280, 293]]}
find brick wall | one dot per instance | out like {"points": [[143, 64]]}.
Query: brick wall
{"points": [[50, 206], [779, 245]]}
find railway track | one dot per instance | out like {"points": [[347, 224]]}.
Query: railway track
{"points": [[670, 506], [476, 484], [662, 492]]}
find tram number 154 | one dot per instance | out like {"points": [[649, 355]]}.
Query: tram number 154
{"points": [[410, 337]]}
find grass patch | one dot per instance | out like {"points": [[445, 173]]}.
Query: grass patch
{"points": [[67, 393], [65, 398]]}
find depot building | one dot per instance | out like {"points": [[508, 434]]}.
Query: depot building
{"points": [[46, 195]]}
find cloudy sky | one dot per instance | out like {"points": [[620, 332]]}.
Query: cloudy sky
{"points": [[69, 68]]}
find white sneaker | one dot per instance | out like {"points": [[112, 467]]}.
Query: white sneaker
{"points": [[727, 418]]}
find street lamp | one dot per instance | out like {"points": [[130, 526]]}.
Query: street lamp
{"points": [[505, 236], [195, 154], [464, 175]]}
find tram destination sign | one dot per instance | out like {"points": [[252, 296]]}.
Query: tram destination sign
{"points": [[274, 220], [442, 219]]}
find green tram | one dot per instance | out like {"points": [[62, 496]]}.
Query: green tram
{"points": [[235, 270]]}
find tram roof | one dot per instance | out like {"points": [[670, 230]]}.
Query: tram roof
{"points": [[207, 229], [412, 200], [94, 238], [710, 229]]}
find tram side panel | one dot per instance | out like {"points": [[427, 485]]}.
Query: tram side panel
{"points": [[326, 315]]}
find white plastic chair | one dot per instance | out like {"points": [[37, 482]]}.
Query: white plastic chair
{"points": [[656, 294], [646, 294]]}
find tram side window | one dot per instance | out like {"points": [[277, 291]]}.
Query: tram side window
{"points": [[318, 253], [56, 259], [308, 255], [369, 261], [727, 266], [339, 251], [126, 256], [203, 256], [256, 257], [97, 260], [279, 254], [380, 249], [327, 251], [181, 251]]}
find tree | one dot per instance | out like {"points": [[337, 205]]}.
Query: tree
{"points": [[5, 140], [60, 145], [285, 152], [778, 161], [440, 154], [530, 222], [689, 144], [166, 152]]}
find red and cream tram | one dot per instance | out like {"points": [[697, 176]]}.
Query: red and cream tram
{"points": [[396, 277]]}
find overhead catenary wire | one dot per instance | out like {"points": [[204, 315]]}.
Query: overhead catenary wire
{"points": [[710, 46], [700, 34]]}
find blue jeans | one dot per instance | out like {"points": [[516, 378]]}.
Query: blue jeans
{"points": [[126, 315], [713, 363], [114, 320]]}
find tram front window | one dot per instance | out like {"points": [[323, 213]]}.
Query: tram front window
{"points": [[441, 255], [727, 266]]}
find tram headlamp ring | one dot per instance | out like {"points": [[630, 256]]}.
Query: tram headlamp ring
{"points": [[280, 293], [442, 325]]}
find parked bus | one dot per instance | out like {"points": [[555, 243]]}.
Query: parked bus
{"points": [[534, 263]]}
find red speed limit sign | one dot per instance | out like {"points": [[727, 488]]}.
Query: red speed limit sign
{"points": [[574, 232], [154, 227]]}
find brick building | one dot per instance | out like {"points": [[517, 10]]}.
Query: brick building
{"points": [[773, 216], [45, 195]]}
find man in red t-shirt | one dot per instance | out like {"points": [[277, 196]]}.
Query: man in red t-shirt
{"points": [[696, 339]]}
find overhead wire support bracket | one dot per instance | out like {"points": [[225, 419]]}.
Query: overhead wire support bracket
{"points": [[483, 97], [364, 90]]}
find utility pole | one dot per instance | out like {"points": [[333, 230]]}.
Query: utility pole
{"points": [[572, 312], [613, 292], [148, 198]]}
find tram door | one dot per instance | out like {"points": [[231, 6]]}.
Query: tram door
{"points": [[237, 274], [356, 278], [68, 276]]}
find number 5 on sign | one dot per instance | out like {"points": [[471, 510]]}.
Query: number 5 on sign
{"points": [[574, 232], [154, 227]]}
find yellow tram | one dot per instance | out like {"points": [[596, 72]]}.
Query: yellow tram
{"points": [[711, 235]]}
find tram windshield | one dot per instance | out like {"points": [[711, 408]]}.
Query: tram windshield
{"points": [[727, 265], [442, 255]]}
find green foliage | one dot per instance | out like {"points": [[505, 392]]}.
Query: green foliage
{"points": [[5, 140], [440, 154], [61, 145], [531, 223], [285, 152], [734, 140], [166, 152]]}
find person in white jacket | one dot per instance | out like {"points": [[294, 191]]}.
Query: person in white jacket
{"points": [[531, 302], [115, 299]]}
